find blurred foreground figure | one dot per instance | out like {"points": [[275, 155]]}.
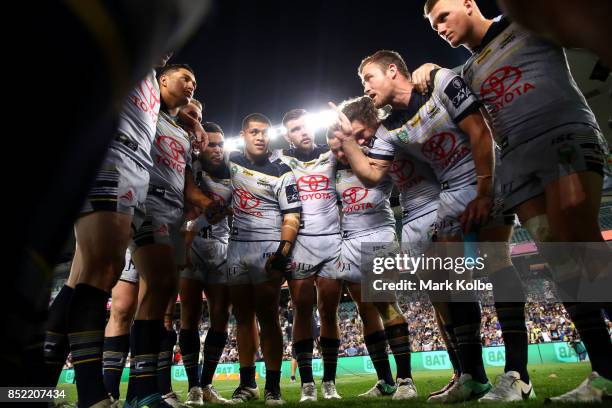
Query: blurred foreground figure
{"points": [[569, 23], [91, 54]]}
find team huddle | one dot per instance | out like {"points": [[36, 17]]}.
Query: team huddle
{"points": [[509, 137]]}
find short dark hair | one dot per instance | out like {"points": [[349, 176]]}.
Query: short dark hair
{"points": [[197, 103], [212, 127], [175, 67], [255, 117], [384, 58], [362, 109], [293, 114]]}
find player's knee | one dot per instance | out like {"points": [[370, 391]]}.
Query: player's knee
{"points": [[244, 314], [539, 228], [219, 315], [303, 304], [328, 316], [122, 315]]}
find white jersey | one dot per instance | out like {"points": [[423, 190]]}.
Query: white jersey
{"points": [[428, 130], [261, 194], [137, 121], [216, 184], [525, 84], [417, 184], [171, 154], [364, 209], [315, 175]]}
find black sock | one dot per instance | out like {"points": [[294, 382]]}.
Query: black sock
{"points": [[376, 344], [247, 377], [113, 361], [213, 348], [466, 319], [329, 353], [86, 321], [145, 339], [589, 322], [273, 380], [164, 361], [303, 352], [57, 346], [399, 341], [514, 331], [452, 348], [189, 341]]}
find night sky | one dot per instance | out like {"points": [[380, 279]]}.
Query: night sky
{"points": [[272, 56]]}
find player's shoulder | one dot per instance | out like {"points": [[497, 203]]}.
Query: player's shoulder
{"points": [[235, 157], [394, 121], [220, 173], [441, 78], [279, 168]]}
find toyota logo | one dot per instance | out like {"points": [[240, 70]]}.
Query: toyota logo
{"points": [[217, 197], [439, 146], [499, 83], [312, 183], [171, 148], [354, 195], [245, 199], [401, 170]]}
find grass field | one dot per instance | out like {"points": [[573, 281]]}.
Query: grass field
{"points": [[548, 380]]}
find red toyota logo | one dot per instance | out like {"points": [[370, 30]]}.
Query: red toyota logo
{"points": [[499, 83], [354, 195], [401, 170], [439, 146], [149, 93], [171, 147], [245, 199], [313, 183], [217, 197]]}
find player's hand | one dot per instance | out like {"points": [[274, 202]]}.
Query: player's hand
{"points": [[191, 212], [421, 77], [215, 213], [341, 128], [476, 213], [276, 266]]}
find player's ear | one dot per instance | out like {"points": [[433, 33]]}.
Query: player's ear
{"points": [[163, 80]]}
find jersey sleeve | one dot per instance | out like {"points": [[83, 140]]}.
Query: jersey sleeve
{"points": [[455, 94], [286, 190], [381, 146]]}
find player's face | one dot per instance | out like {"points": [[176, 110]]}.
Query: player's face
{"points": [[377, 84], [193, 111], [180, 85], [362, 132], [256, 139], [450, 20], [336, 149], [213, 154], [299, 135]]}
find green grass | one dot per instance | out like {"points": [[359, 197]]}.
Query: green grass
{"points": [[549, 380]]}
